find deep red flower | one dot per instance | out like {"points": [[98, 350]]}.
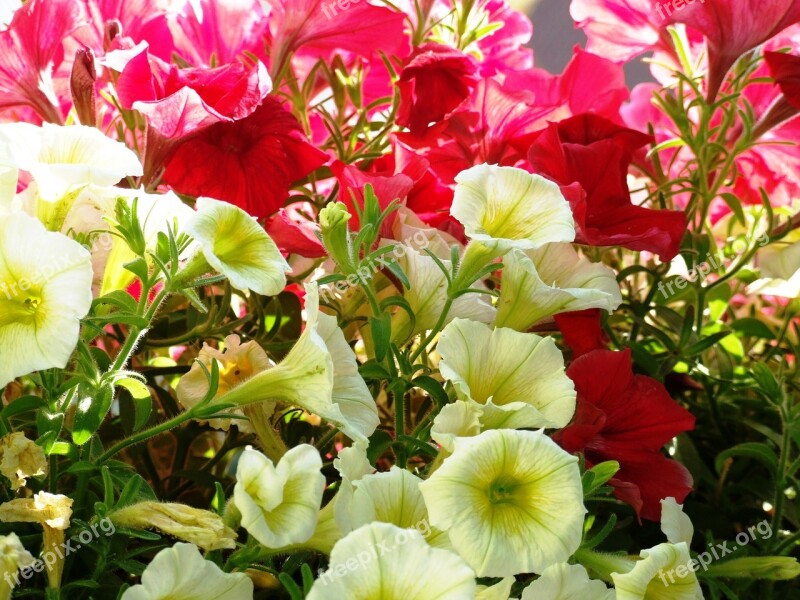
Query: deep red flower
{"points": [[596, 154], [435, 80], [627, 418], [251, 162], [31, 50], [785, 70], [733, 27], [581, 331]]}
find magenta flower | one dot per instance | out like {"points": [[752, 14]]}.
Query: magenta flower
{"points": [[31, 50]]}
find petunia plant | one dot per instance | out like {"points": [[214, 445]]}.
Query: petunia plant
{"points": [[327, 300]]}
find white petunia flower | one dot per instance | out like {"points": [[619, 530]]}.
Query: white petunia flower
{"points": [[235, 245], [538, 284], [61, 160], [280, 504], [320, 374], [511, 208], [520, 373], [511, 502], [90, 214], [664, 571], [181, 573], [380, 560], [428, 294], [566, 582], [45, 290]]}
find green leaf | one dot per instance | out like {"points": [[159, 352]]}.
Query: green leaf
{"points": [[598, 476], [753, 327], [21, 405], [757, 451], [91, 410], [433, 388], [141, 403], [381, 328]]}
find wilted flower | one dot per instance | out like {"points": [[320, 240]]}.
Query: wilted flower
{"points": [[20, 458], [45, 289], [181, 573], [13, 557], [511, 502], [521, 373], [200, 527], [380, 560], [237, 363], [280, 504], [235, 245], [538, 284], [52, 512]]}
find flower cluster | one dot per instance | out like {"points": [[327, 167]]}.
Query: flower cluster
{"points": [[352, 300]]}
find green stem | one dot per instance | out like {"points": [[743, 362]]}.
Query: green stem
{"points": [[604, 565], [433, 332], [146, 435], [780, 480]]}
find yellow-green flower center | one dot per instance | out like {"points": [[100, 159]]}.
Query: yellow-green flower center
{"points": [[18, 306], [501, 490]]}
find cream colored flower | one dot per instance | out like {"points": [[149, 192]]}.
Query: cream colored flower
{"points": [[664, 571], [383, 561], [237, 363], [280, 504], [20, 458], [519, 373], [181, 573], [538, 284], [498, 591], [61, 159], [394, 497], [235, 245], [95, 207], [566, 582], [13, 557], [45, 290], [510, 208], [352, 464], [779, 266], [200, 527], [428, 294], [511, 502], [320, 374]]}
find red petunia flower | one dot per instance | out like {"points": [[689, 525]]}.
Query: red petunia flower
{"points": [[595, 153], [295, 235], [179, 103], [581, 331], [785, 70], [251, 162], [627, 418], [436, 79], [733, 27], [31, 50]]}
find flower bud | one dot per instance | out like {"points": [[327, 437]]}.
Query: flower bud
{"points": [[336, 234], [757, 567]]}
